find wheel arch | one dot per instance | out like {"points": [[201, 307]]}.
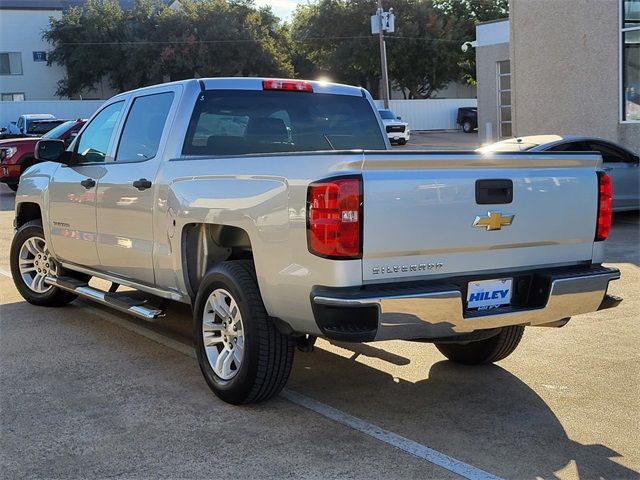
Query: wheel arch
{"points": [[204, 245], [26, 212]]}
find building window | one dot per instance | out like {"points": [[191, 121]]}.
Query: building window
{"points": [[630, 56], [10, 63], [504, 98], [13, 97]]}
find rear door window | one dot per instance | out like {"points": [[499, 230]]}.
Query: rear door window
{"points": [[143, 127], [235, 122]]}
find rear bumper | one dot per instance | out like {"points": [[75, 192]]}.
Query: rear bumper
{"points": [[395, 136], [433, 310]]}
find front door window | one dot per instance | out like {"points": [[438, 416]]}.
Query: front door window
{"points": [[94, 142]]}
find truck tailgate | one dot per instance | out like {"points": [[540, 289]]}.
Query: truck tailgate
{"points": [[420, 209]]}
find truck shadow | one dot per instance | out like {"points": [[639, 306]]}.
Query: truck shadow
{"points": [[483, 415]]}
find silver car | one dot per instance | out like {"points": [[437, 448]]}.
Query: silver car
{"points": [[620, 163]]}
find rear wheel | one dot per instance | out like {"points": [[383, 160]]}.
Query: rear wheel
{"points": [[31, 262], [484, 351], [242, 355]]}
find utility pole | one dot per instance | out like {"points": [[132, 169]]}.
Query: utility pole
{"points": [[383, 57]]}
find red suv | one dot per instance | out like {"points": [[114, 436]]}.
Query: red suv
{"points": [[17, 154]]}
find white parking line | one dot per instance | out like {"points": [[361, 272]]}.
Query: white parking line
{"points": [[406, 445], [397, 441]]}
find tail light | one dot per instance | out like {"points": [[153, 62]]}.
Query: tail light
{"points": [[334, 218], [605, 195], [287, 85]]}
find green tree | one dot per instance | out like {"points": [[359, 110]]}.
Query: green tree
{"points": [[145, 45], [333, 37], [81, 44], [467, 14], [423, 52], [223, 38]]}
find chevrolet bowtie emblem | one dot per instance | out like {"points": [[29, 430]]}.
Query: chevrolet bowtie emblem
{"points": [[493, 221]]}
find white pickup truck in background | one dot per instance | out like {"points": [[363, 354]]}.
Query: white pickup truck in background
{"points": [[397, 130], [277, 210]]}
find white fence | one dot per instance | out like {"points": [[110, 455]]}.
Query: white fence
{"points": [[434, 114], [67, 109]]}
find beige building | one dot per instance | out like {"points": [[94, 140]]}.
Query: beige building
{"points": [[567, 67]]}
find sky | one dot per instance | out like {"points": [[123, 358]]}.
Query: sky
{"points": [[282, 8]]}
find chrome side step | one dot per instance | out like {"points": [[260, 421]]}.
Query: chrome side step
{"points": [[118, 301]]}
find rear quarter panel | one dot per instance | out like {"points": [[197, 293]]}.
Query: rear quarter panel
{"points": [[244, 192]]}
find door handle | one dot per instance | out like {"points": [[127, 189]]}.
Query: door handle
{"points": [[142, 184], [88, 183]]}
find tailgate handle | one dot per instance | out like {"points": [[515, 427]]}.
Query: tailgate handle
{"points": [[494, 191]]}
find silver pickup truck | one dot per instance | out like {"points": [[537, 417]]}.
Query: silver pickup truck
{"points": [[277, 210]]}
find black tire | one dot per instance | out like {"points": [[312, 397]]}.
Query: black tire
{"points": [[467, 126], [268, 354], [484, 351], [54, 297], [13, 186], [402, 141]]}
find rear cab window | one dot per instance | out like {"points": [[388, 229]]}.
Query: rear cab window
{"points": [[238, 122]]}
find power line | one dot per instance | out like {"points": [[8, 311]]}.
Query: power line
{"points": [[308, 39]]}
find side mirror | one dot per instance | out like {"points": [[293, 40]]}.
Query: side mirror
{"points": [[52, 151], [399, 118]]}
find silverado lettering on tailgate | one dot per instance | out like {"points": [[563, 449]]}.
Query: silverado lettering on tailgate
{"points": [[416, 267]]}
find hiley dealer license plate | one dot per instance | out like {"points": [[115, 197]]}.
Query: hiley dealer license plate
{"points": [[489, 293]]}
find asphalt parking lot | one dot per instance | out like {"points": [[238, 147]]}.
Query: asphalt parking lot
{"points": [[90, 393]]}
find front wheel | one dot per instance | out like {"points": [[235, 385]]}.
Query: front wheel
{"points": [[242, 355], [13, 186], [31, 262], [402, 141], [467, 126], [488, 350]]}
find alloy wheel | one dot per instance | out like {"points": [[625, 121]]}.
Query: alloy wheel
{"points": [[223, 334], [35, 264]]}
